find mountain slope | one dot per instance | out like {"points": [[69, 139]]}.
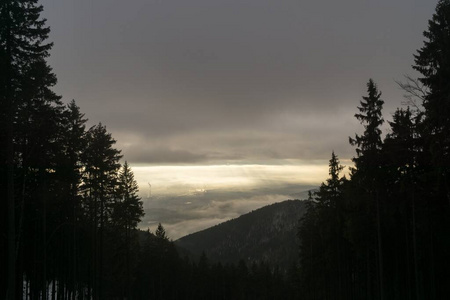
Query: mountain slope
{"points": [[267, 234]]}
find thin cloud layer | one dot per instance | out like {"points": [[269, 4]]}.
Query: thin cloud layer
{"points": [[171, 71]]}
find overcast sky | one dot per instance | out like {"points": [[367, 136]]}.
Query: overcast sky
{"points": [[227, 82]]}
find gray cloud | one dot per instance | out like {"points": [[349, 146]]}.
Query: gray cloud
{"points": [[162, 156], [285, 136], [171, 70], [230, 81]]}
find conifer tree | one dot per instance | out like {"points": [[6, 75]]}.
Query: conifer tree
{"points": [[401, 144], [433, 63], [101, 164], [404, 154], [321, 234], [126, 214], [367, 175], [128, 208], [370, 115], [329, 193], [24, 77], [160, 232], [74, 143]]}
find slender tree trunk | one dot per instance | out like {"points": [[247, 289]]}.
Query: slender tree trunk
{"points": [[416, 268], [92, 268], [11, 292], [408, 286], [431, 251], [102, 212], [44, 233], [53, 290], [74, 240], [95, 252], [380, 249], [27, 285], [368, 245], [368, 291], [338, 246], [128, 291]]}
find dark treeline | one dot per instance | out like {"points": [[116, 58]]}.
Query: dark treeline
{"points": [[161, 273], [384, 233], [70, 210]]}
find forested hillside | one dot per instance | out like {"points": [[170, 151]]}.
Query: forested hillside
{"points": [[265, 235]]}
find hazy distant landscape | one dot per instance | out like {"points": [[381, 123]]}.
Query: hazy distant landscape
{"points": [[192, 199]]}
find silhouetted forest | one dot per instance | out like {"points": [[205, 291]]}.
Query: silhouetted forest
{"points": [[70, 210], [384, 233]]}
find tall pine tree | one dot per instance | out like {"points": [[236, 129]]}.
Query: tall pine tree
{"points": [[321, 234], [127, 212], [24, 77], [432, 61], [101, 164], [367, 175]]}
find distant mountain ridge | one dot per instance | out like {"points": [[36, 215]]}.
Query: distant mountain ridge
{"points": [[267, 234]]}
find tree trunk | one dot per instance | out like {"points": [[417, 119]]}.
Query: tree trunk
{"points": [[11, 292], [416, 268], [380, 249]]}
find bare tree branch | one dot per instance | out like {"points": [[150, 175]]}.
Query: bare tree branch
{"points": [[416, 92]]}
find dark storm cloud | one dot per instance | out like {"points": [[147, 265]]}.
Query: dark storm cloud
{"points": [[203, 80]]}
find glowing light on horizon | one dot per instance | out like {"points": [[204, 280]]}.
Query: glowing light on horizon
{"points": [[217, 193], [198, 179]]}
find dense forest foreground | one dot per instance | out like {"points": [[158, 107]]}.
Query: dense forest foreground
{"points": [[70, 209]]}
